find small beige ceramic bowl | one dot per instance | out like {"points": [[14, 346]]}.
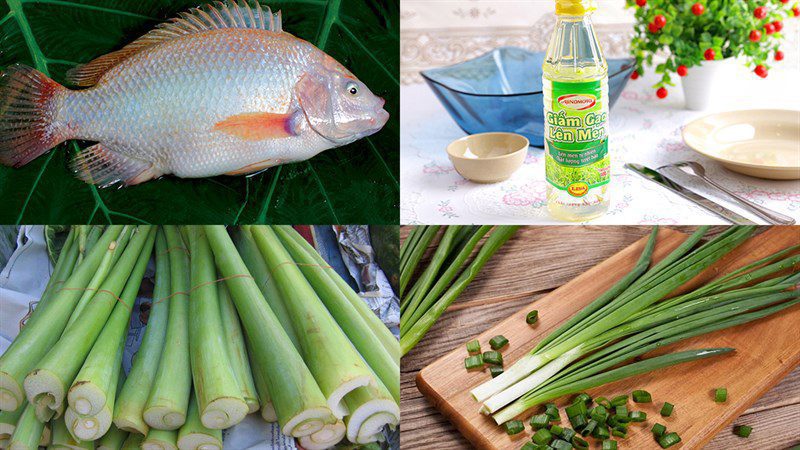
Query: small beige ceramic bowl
{"points": [[488, 157]]}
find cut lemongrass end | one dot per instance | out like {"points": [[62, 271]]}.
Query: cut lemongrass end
{"points": [[88, 428], [86, 399], [45, 390], [308, 422], [721, 395], [336, 399], [370, 417], [268, 413], [327, 437], [164, 418], [11, 393]]}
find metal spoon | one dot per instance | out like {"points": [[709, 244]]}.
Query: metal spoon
{"points": [[773, 217]]}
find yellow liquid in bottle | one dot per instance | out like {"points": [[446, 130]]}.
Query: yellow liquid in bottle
{"points": [[575, 78]]}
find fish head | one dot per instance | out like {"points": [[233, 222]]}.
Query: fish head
{"points": [[337, 105]]}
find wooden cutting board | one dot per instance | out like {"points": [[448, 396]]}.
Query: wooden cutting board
{"points": [[766, 351]]}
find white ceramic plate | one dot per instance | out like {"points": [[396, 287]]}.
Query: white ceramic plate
{"points": [[763, 143]]}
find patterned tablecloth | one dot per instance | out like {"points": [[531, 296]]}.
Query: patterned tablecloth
{"points": [[644, 130]]}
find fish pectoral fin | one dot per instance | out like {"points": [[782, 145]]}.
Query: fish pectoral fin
{"points": [[255, 167], [258, 126], [103, 166]]}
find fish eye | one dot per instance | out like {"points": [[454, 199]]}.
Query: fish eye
{"points": [[352, 89]]}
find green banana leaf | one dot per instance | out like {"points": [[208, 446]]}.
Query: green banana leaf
{"points": [[357, 183]]}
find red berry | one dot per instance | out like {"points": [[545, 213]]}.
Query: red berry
{"points": [[653, 28], [784, 1], [769, 28], [698, 9], [761, 71], [682, 70], [778, 55], [710, 54], [755, 35], [760, 12], [641, 3], [660, 21], [661, 92], [796, 11], [634, 75], [778, 25]]}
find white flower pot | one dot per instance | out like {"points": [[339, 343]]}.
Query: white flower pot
{"points": [[706, 83]]}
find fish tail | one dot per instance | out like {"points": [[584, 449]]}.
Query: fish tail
{"points": [[27, 109]]}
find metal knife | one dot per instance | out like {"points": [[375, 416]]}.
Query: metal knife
{"points": [[661, 180]]}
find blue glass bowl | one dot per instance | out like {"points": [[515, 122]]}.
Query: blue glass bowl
{"points": [[502, 91]]}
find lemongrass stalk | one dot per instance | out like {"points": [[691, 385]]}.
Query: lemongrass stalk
{"points": [[371, 408], [169, 395], [327, 437], [237, 351], [96, 384], [299, 404], [112, 440], [262, 389], [355, 327], [63, 439], [28, 432], [217, 391], [421, 303], [193, 435], [88, 428], [129, 408], [499, 236], [446, 245], [65, 264], [45, 326], [8, 421], [332, 359], [133, 442], [252, 258], [46, 385], [160, 440], [379, 330], [637, 368], [415, 255]]}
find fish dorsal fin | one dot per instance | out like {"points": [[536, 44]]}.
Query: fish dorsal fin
{"points": [[228, 14]]}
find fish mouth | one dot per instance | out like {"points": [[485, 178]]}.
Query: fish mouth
{"points": [[380, 119]]}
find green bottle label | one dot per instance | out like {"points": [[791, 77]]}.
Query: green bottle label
{"points": [[576, 131]]}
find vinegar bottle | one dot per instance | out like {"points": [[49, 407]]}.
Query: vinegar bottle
{"points": [[575, 78]]}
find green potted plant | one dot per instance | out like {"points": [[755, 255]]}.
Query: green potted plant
{"points": [[705, 39]]}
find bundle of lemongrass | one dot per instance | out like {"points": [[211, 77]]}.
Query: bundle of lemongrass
{"points": [[636, 316], [262, 324], [437, 286]]}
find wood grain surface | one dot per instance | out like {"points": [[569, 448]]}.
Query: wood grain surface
{"points": [[538, 260]]}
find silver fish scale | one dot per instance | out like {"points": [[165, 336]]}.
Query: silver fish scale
{"points": [[160, 105]]}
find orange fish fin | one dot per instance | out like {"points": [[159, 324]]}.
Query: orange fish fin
{"points": [[104, 166], [255, 167], [258, 126], [247, 14]]}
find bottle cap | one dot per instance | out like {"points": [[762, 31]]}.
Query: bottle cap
{"points": [[575, 7]]}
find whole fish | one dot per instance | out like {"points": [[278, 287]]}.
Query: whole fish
{"points": [[221, 89]]}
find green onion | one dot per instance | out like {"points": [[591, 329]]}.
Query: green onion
{"points": [[641, 397], [666, 410], [620, 431], [495, 370], [658, 430], [742, 430], [589, 428], [415, 251], [601, 432], [619, 400], [514, 427], [529, 446], [621, 411], [558, 444], [532, 317], [583, 397], [609, 444], [568, 434], [604, 402], [473, 362], [552, 411], [638, 416], [668, 440], [498, 342], [579, 443], [556, 430], [493, 357], [720, 395], [578, 421], [542, 436], [599, 414], [539, 421], [473, 346], [575, 409]]}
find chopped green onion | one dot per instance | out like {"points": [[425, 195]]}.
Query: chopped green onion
{"points": [[721, 395], [498, 342], [742, 430], [599, 414], [620, 431], [556, 430], [473, 362], [532, 317], [542, 436], [603, 401], [514, 427], [642, 397], [668, 440], [666, 410], [495, 371], [576, 409], [583, 397], [539, 421], [601, 432], [578, 422], [589, 428], [568, 434], [493, 357], [552, 411], [608, 444], [529, 446], [658, 430], [558, 444], [638, 416], [473, 346], [619, 400], [579, 443], [621, 411]]}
